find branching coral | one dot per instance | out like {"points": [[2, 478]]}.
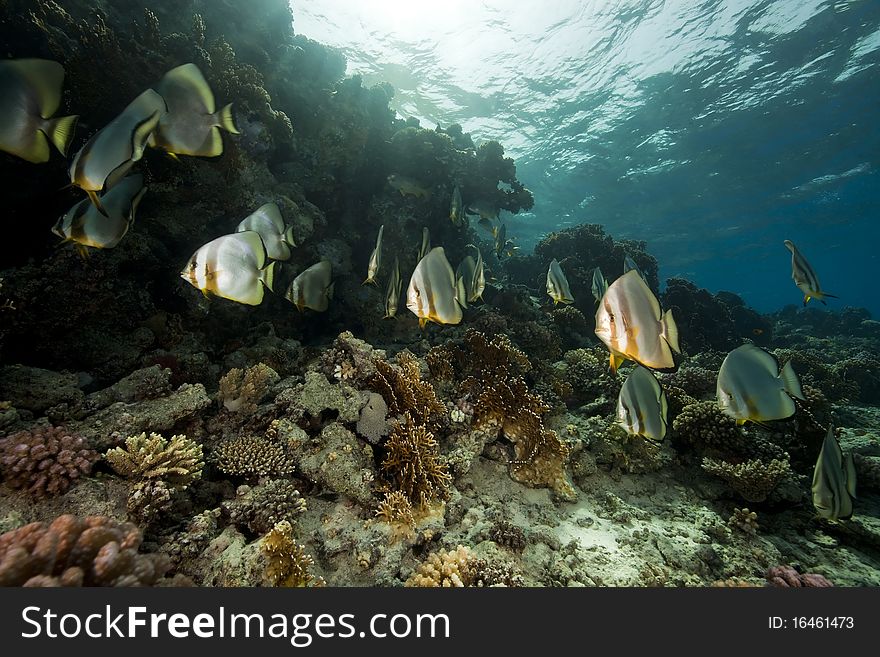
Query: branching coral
{"points": [[404, 391], [253, 456], [241, 391], [753, 480], [744, 520], [44, 460], [158, 467], [396, 510], [413, 464], [702, 424], [71, 551], [460, 568], [287, 563], [262, 507], [178, 461], [509, 535]]}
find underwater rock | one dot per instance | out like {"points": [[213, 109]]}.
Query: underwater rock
{"points": [[146, 383], [37, 390], [230, 560], [336, 460], [317, 400]]}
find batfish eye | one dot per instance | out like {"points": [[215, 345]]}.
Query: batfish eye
{"points": [[611, 317]]}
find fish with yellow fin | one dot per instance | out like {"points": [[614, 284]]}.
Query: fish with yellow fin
{"points": [[192, 124], [485, 208], [313, 288], [30, 93], [557, 284], [86, 227], [599, 285], [375, 259], [109, 155], [456, 212], [804, 276], [426, 243], [234, 267], [432, 294], [478, 281], [267, 221], [631, 325], [752, 387]]}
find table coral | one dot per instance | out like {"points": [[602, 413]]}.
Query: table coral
{"points": [[71, 551], [45, 460]]}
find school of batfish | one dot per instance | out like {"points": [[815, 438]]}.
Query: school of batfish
{"points": [[179, 116]]}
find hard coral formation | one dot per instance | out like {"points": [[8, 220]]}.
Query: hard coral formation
{"points": [[287, 563], [45, 460], [413, 465], [396, 510], [241, 391], [253, 457], [702, 424], [71, 551], [446, 568], [261, 507], [788, 577], [753, 480], [744, 520], [403, 389]]}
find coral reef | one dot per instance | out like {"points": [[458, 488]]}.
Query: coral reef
{"points": [[744, 520], [703, 424], [45, 460], [241, 391], [263, 506], [403, 389], [788, 577], [253, 457], [446, 568], [396, 510], [71, 551], [753, 480], [287, 563], [412, 463]]}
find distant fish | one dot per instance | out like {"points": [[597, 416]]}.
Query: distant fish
{"points": [[834, 480], [642, 405], [266, 220], [500, 239], [751, 386], [233, 267], [464, 278], [456, 212], [478, 282], [191, 126], [432, 291], [557, 284], [313, 288], [630, 265], [392, 291], [600, 285], [375, 259], [408, 186], [485, 208], [804, 276], [631, 325], [426, 243], [87, 227], [30, 93], [112, 151]]}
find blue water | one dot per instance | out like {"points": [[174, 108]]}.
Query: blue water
{"points": [[713, 130]]}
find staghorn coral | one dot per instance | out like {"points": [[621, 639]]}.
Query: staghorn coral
{"points": [[45, 460], [787, 576], [744, 520], [71, 551], [413, 464], [241, 391], [702, 424], [262, 507], [177, 461], [753, 480], [396, 510], [404, 391], [287, 563], [253, 456]]}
